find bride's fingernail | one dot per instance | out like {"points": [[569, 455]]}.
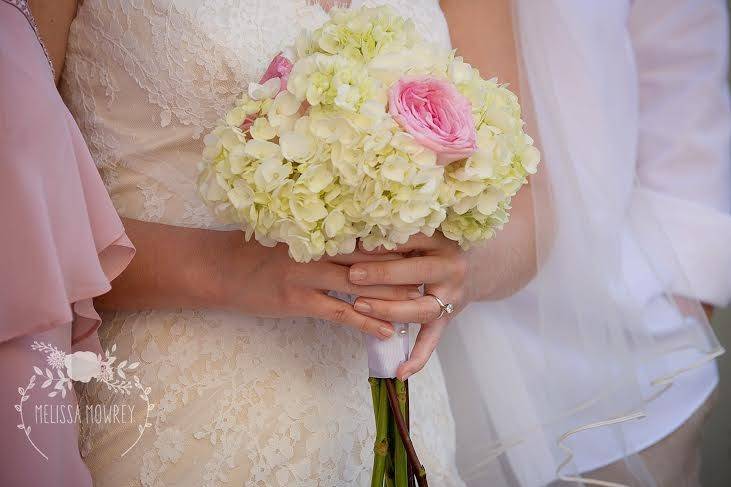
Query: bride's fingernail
{"points": [[362, 306], [414, 293], [357, 274], [385, 331]]}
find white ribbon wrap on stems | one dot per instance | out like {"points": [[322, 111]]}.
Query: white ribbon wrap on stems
{"points": [[384, 356]]}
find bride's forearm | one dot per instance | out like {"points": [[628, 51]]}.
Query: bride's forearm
{"points": [[174, 267], [483, 34], [177, 267], [506, 263]]}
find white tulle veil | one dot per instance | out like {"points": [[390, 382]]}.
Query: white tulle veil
{"points": [[560, 359]]}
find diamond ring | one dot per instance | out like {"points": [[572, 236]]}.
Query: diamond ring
{"points": [[447, 308]]}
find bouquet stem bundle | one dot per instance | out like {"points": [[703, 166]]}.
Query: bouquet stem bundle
{"points": [[395, 463]]}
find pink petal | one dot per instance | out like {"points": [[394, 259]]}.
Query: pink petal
{"points": [[280, 67]]}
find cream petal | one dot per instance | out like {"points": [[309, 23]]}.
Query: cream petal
{"points": [[333, 223], [296, 146], [530, 159], [262, 149], [268, 89], [488, 202], [287, 104]]}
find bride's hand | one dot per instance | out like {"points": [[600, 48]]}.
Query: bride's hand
{"points": [[490, 272], [442, 267], [265, 281]]}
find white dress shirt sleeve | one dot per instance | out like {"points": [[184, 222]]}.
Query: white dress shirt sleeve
{"points": [[684, 166]]}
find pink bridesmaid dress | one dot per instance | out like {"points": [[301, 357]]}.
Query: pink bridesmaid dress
{"points": [[61, 244]]}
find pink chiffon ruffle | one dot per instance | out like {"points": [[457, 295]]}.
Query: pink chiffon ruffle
{"points": [[62, 241]]}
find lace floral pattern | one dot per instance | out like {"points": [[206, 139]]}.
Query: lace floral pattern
{"points": [[240, 400]]}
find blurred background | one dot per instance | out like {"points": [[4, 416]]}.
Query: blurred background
{"points": [[716, 466]]}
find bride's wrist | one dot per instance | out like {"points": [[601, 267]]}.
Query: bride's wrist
{"points": [[477, 287], [205, 275], [498, 272], [487, 277]]}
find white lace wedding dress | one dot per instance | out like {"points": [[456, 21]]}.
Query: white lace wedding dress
{"points": [[239, 400]]}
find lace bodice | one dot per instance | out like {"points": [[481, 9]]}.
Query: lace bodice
{"points": [[147, 78], [240, 400]]}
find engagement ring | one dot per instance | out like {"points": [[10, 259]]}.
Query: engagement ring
{"points": [[447, 308]]}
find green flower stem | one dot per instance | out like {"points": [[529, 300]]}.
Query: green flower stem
{"points": [[389, 482], [374, 395], [380, 448], [400, 460], [412, 479], [404, 434]]}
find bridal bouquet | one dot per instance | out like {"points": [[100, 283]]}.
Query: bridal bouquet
{"points": [[363, 130]]}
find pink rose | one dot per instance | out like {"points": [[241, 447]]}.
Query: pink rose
{"points": [[436, 114], [278, 68]]}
